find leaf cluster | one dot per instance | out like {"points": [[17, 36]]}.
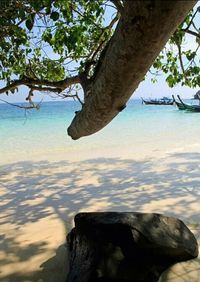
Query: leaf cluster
{"points": [[180, 59], [46, 35], [52, 39]]}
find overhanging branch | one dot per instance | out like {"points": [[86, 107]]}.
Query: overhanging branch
{"points": [[141, 33], [42, 85]]}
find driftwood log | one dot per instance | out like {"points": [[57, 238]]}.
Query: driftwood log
{"points": [[114, 246]]}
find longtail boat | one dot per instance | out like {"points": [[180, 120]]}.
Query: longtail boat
{"points": [[187, 107], [179, 105], [163, 101]]}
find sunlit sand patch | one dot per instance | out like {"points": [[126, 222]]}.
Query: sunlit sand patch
{"points": [[34, 242], [88, 179], [96, 205], [34, 202]]}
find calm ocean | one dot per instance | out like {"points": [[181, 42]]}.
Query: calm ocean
{"points": [[139, 127]]}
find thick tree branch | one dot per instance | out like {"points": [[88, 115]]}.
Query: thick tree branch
{"points": [[141, 33], [42, 85], [45, 89]]}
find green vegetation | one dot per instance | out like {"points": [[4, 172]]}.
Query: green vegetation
{"points": [[177, 60], [40, 39], [60, 45], [51, 40]]}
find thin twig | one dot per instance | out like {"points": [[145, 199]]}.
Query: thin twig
{"points": [[18, 106], [191, 21], [100, 43], [180, 59], [118, 5], [191, 32]]}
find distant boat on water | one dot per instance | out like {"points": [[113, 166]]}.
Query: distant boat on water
{"points": [[163, 101], [179, 105], [188, 107]]}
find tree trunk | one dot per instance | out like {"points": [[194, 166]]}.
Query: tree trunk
{"points": [[141, 33]]}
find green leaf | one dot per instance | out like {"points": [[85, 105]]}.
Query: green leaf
{"points": [[21, 13], [54, 16], [170, 80], [29, 23]]}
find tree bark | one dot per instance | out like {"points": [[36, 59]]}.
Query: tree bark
{"points": [[141, 33]]}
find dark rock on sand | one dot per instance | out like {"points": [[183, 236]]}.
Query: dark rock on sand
{"points": [[128, 246]]}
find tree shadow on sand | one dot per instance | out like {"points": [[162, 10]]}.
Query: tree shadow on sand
{"points": [[32, 192]]}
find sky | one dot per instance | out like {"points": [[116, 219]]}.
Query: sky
{"points": [[146, 89]]}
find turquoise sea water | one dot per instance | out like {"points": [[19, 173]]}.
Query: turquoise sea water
{"points": [[139, 127]]}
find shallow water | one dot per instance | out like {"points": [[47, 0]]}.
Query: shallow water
{"points": [[139, 129]]}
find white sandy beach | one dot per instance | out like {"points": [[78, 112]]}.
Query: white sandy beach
{"points": [[40, 197]]}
